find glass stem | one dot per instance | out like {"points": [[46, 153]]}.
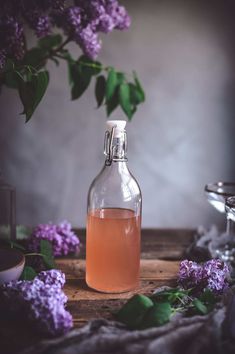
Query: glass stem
{"points": [[230, 226]]}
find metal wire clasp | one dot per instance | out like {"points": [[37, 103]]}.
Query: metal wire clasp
{"points": [[108, 146]]}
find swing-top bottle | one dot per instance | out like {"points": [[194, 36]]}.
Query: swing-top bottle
{"points": [[113, 219]]}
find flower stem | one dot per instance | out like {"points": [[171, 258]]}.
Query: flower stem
{"points": [[62, 45], [89, 65], [54, 52], [178, 309]]}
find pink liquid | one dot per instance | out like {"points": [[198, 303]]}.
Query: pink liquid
{"points": [[112, 250]]}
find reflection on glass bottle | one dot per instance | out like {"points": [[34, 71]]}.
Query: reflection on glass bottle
{"points": [[114, 219], [7, 211]]}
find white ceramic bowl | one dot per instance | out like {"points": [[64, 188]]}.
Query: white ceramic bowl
{"points": [[11, 265]]}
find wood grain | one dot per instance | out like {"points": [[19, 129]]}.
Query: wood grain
{"points": [[77, 290]]}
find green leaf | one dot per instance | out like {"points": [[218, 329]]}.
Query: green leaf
{"points": [[28, 273], [28, 75], [50, 41], [139, 86], [40, 82], [100, 89], [70, 63], [200, 307], [111, 84], [79, 80], [47, 253], [11, 80], [124, 100], [132, 313], [9, 66], [31, 92], [157, 315], [112, 103], [170, 295], [79, 87], [35, 57], [120, 78], [89, 67], [19, 75], [26, 92], [208, 296], [46, 248], [9, 76], [209, 299], [135, 94]]}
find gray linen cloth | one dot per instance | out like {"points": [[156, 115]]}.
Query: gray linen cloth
{"points": [[206, 242]]}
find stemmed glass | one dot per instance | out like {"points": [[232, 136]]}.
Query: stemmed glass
{"points": [[230, 213], [218, 195]]}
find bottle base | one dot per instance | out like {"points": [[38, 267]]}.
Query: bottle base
{"points": [[112, 291]]}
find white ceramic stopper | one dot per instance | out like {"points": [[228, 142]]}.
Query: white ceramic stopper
{"points": [[119, 126]]}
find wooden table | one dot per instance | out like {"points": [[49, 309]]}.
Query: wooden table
{"points": [[161, 251]]}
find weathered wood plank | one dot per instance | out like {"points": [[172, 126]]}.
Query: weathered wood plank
{"points": [[77, 290], [88, 309], [84, 309], [149, 269]]}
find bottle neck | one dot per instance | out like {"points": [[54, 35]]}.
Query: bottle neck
{"points": [[115, 147]]}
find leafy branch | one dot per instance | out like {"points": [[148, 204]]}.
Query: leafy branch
{"points": [[46, 254], [30, 78], [142, 312]]}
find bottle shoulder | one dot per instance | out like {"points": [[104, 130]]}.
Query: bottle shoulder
{"points": [[115, 178]]}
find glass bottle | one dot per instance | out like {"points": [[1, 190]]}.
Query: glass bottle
{"points": [[7, 211], [113, 219]]}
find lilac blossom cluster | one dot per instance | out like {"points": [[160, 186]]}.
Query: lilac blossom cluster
{"points": [[212, 274], [41, 301], [80, 20], [61, 236]]}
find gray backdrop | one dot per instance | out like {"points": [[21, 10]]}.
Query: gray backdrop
{"points": [[181, 138]]}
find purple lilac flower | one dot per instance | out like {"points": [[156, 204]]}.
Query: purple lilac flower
{"points": [[99, 19], [213, 275], [42, 301], [52, 277], [216, 272], [35, 14], [81, 20], [74, 17], [61, 236], [69, 20], [42, 26], [119, 15], [107, 15], [37, 20], [190, 273], [89, 42], [11, 37], [105, 23]]}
